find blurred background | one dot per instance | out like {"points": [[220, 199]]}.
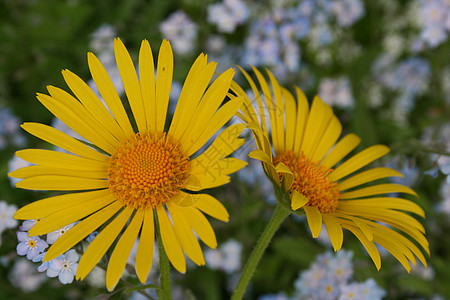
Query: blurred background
{"points": [[384, 66]]}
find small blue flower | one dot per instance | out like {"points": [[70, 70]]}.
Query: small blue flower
{"points": [[65, 267], [31, 246]]}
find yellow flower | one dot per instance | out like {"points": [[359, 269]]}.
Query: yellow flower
{"points": [[305, 164], [133, 180]]}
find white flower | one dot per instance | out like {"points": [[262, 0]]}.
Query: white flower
{"points": [[6, 216], [24, 276], [181, 31], [53, 236], [65, 267], [31, 246]]}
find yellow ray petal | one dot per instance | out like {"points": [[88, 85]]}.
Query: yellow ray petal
{"points": [[291, 119], [79, 125], [329, 137], [334, 230], [71, 103], [62, 140], [147, 84], [318, 120], [47, 206], [70, 214], [122, 250], [368, 245], [101, 243], [302, 117], [109, 93], [340, 150], [249, 103], [378, 190], [61, 183], [219, 119], [366, 230], [32, 171], [209, 104], [298, 200], [92, 104], [367, 176], [170, 241], [314, 218], [184, 199], [163, 83], [392, 247], [130, 83], [213, 207], [268, 100], [279, 113], [58, 159], [144, 255], [358, 161], [288, 177], [384, 202], [201, 226], [185, 235], [391, 234], [194, 86], [81, 230], [396, 218]]}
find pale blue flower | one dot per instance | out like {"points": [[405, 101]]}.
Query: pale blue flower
{"points": [[181, 31], [347, 12], [31, 246], [65, 267], [54, 235]]}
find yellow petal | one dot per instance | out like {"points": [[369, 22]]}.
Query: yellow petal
{"points": [[358, 161], [101, 243], [334, 230], [45, 207], [377, 190], [144, 255], [279, 113], [194, 86], [201, 226], [302, 117], [92, 104], [368, 245], [58, 159], [298, 200], [170, 241], [70, 214], [130, 83], [288, 177], [318, 119], [184, 199], [81, 230], [122, 250], [147, 83], [32, 171], [384, 202], [366, 230], [61, 183], [330, 136], [185, 235], [340, 150], [291, 119], [367, 176], [314, 218], [87, 130], [109, 93], [213, 207], [62, 140], [163, 83]]}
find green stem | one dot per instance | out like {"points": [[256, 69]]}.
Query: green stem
{"points": [[278, 217], [165, 292]]}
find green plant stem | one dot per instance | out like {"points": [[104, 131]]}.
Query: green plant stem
{"points": [[279, 215], [165, 292]]}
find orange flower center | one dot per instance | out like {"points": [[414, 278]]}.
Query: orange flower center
{"points": [[147, 170], [311, 181]]}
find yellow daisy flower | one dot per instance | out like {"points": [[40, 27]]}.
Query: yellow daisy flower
{"points": [[130, 181], [303, 160]]}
